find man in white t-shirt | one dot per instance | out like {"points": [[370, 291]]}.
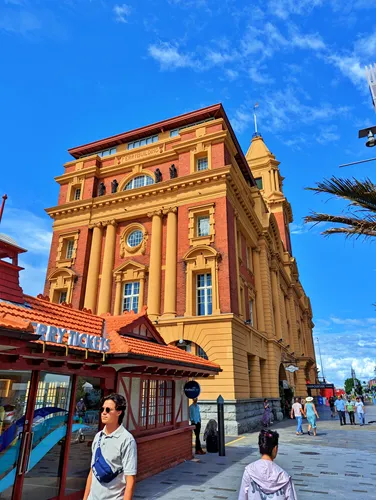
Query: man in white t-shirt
{"points": [[298, 413], [359, 406]]}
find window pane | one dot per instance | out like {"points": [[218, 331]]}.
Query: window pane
{"points": [[139, 181], [70, 246], [135, 238], [203, 226], [62, 297], [201, 353], [131, 296], [202, 164], [174, 133], [77, 194], [259, 182]]}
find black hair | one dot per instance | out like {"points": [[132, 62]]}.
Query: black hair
{"points": [[268, 440], [265, 400], [120, 404]]}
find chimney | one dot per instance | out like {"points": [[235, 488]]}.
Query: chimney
{"points": [[9, 270]]}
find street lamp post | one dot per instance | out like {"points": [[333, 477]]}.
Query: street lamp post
{"points": [[322, 366]]}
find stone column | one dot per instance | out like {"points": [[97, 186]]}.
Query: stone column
{"points": [[104, 303], [266, 289], [294, 324], [240, 305], [155, 269], [255, 387], [276, 302], [91, 291], [118, 295], [258, 283], [171, 255]]}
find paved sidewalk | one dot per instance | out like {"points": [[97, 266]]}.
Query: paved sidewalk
{"points": [[339, 462]]}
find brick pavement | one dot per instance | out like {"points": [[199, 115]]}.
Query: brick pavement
{"points": [[340, 462]]}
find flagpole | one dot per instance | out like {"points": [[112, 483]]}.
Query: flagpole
{"points": [[255, 119]]}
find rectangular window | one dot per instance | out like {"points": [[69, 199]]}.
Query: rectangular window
{"points": [[107, 152], [156, 403], [203, 225], [204, 294], [202, 164], [259, 182], [174, 133], [77, 194], [70, 248], [62, 297], [251, 312], [143, 142], [131, 296]]}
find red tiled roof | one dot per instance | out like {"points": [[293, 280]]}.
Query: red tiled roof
{"points": [[13, 323], [43, 311], [40, 310], [123, 344]]}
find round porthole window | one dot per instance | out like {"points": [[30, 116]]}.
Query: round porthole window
{"points": [[135, 238]]}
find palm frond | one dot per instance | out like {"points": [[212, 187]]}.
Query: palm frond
{"points": [[355, 226], [358, 193]]}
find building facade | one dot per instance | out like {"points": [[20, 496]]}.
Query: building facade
{"points": [[56, 364], [174, 216]]}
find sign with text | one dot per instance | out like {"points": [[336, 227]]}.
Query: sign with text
{"points": [[192, 389], [55, 334], [320, 386]]}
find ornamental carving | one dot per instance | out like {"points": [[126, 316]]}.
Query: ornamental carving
{"points": [[125, 248]]}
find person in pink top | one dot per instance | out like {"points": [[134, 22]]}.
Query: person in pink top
{"points": [[264, 478]]}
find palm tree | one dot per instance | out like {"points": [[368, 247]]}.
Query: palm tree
{"points": [[359, 217]]}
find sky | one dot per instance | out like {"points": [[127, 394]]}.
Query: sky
{"points": [[73, 71]]}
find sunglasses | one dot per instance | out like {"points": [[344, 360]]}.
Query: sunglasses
{"points": [[105, 409]]}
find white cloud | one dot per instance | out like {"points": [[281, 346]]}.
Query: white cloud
{"points": [[169, 57], [121, 12], [231, 74], [29, 230], [32, 278], [346, 343], [33, 233], [308, 41], [285, 8], [21, 22], [328, 134]]}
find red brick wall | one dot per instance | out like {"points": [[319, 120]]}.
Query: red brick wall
{"points": [[157, 455], [232, 263]]}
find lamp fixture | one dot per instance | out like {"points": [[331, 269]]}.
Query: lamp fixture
{"points": [[368, 132]]}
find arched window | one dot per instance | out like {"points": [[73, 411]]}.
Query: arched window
{"points": [[191, 347], [139, 181]]}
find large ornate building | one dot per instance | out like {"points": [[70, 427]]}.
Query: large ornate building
{"points": [[175, 217]]}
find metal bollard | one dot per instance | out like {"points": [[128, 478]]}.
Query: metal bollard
{"points": [[221, 426]]}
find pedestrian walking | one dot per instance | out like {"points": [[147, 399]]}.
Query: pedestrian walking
{"points": [[195, 418], [312, 415], [81, 410], [114, 460], [360, 412], [267, 414], [350, 408], [264, 478], [340, 409], [332, 407], [298, 413]]}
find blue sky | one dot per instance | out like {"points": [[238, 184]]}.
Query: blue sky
{"points": [[78, 70]]}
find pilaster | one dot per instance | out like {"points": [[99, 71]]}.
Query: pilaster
{"points": [[258, 283], [155, 269], [255, 387], [91, 292], [104, 302], [170, 272]]}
